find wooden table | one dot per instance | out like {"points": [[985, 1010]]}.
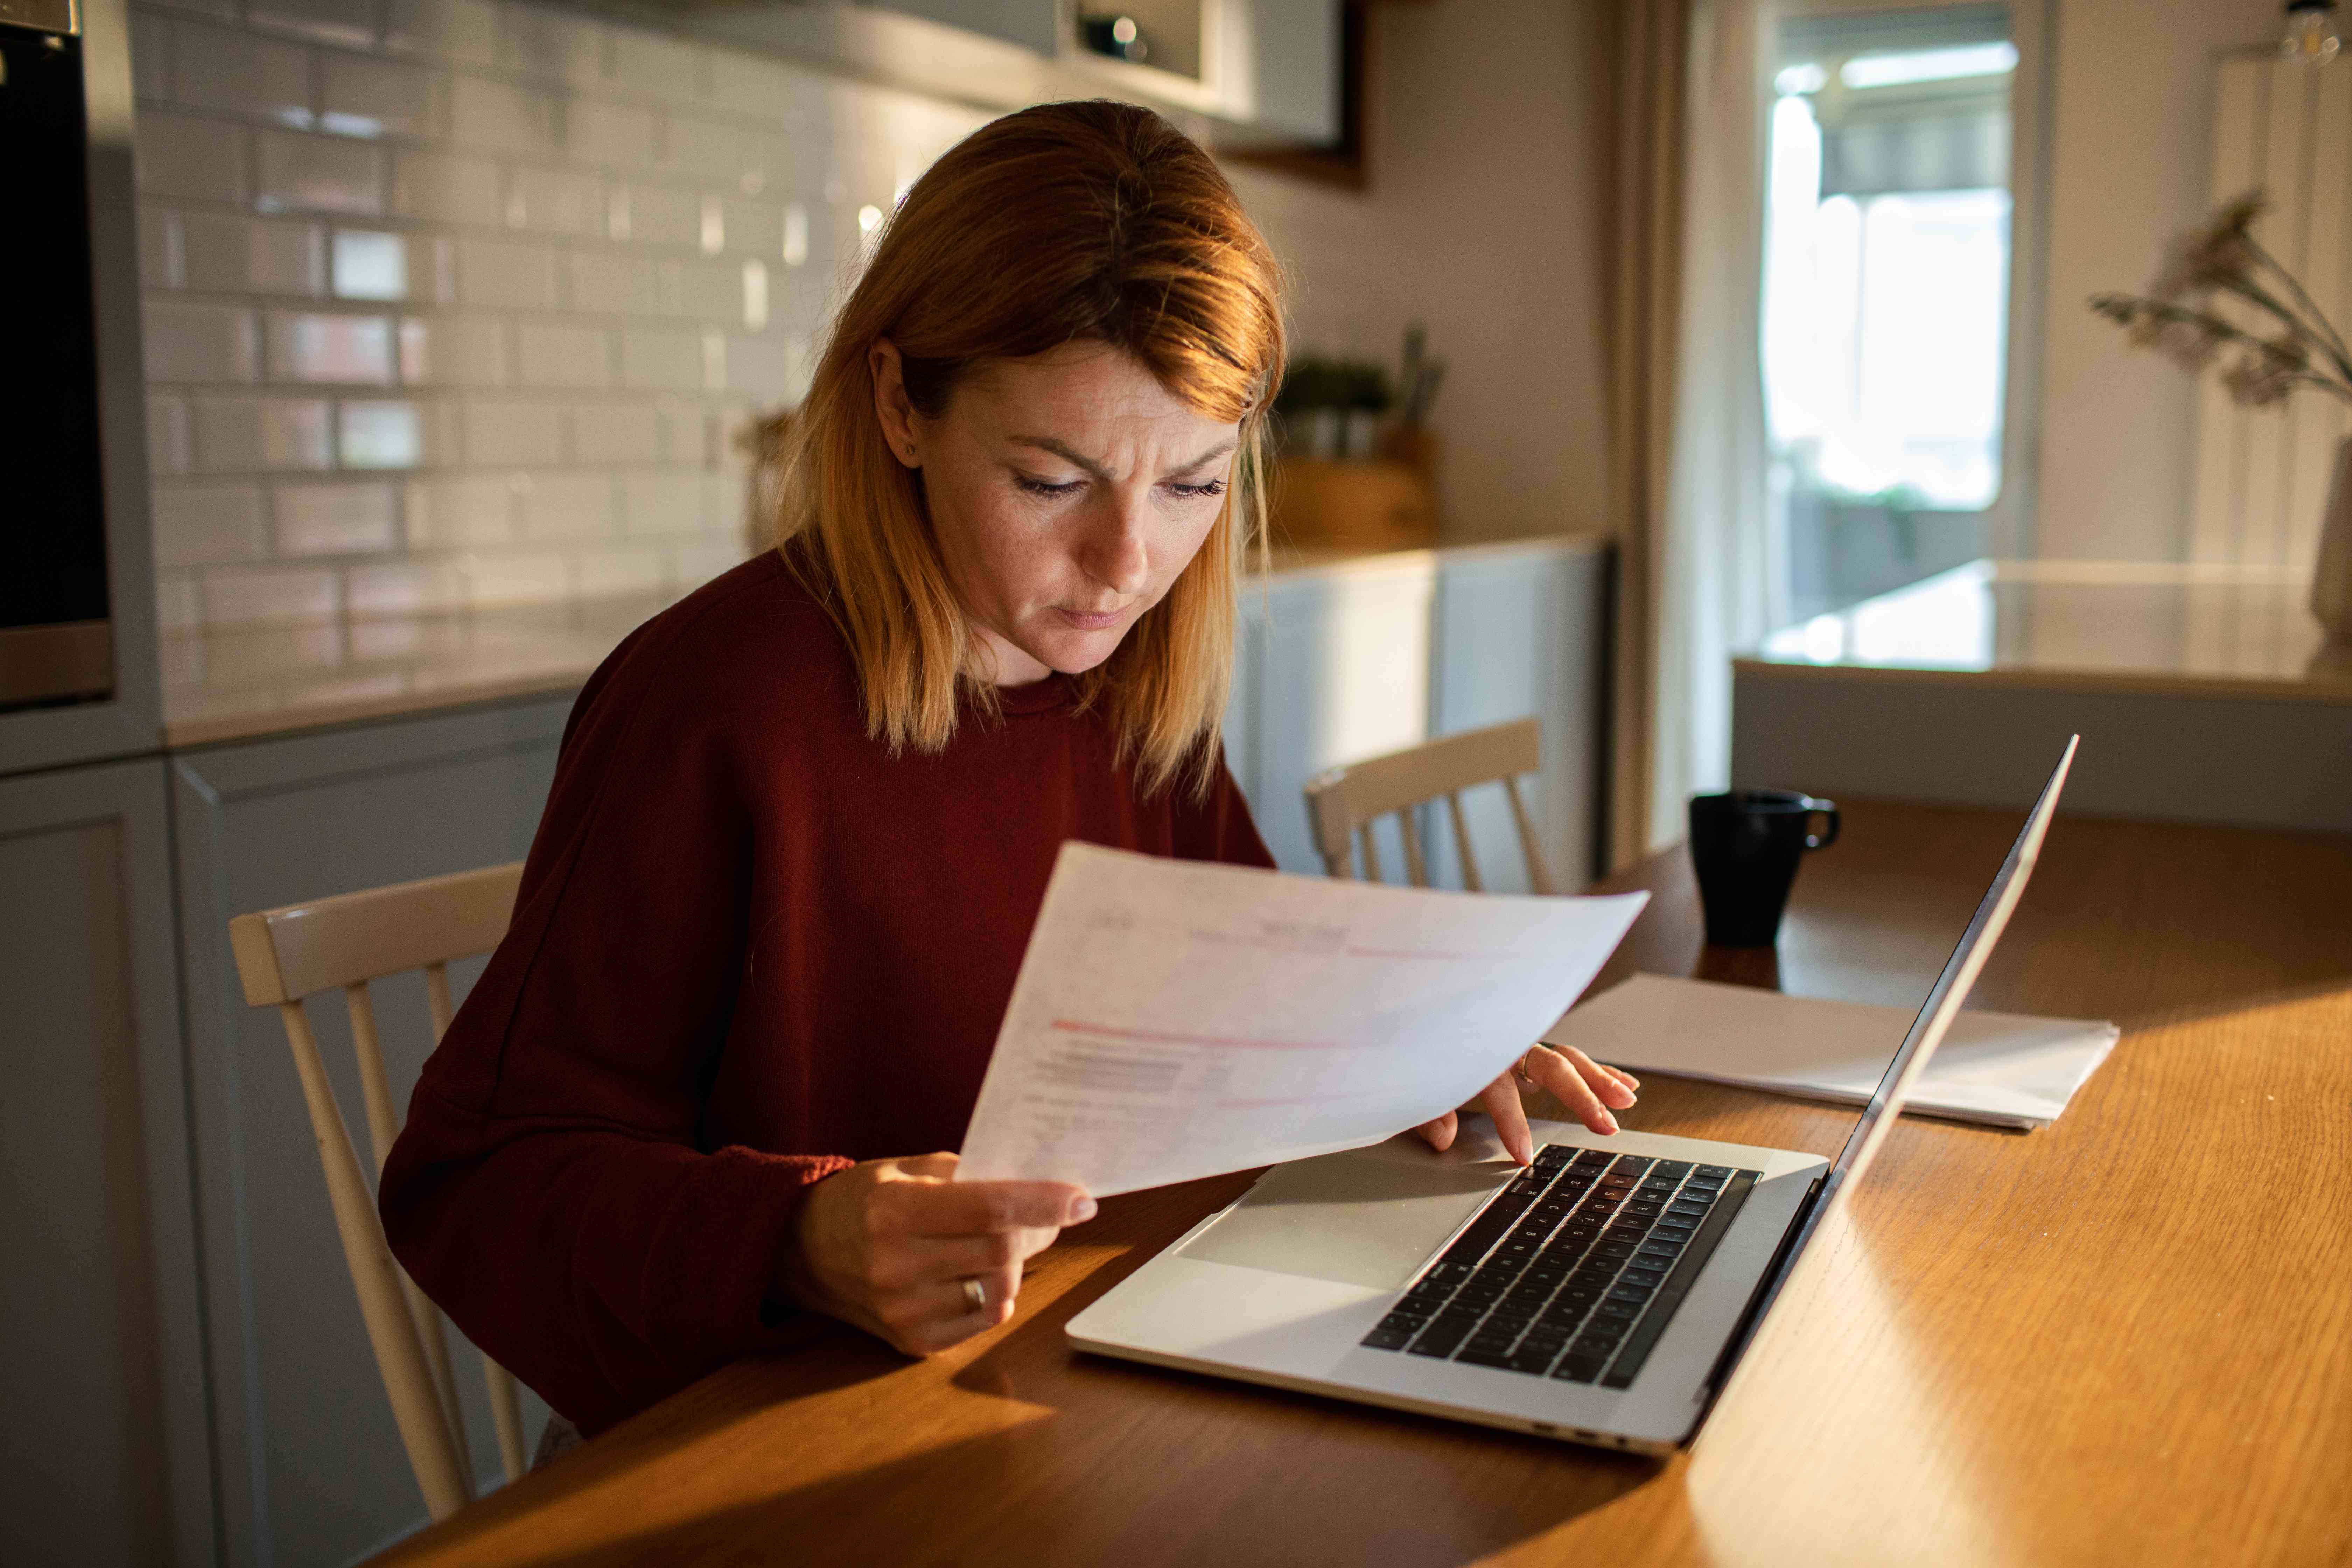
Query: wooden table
{"points": [[2125, 1339]]}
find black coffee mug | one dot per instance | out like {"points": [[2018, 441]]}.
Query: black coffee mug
{"points": [[1745, 847]]}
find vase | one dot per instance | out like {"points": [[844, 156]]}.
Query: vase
{"points": [[2331, 574]]}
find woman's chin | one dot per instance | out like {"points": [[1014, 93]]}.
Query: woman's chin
{"points": [[1075, 652]]}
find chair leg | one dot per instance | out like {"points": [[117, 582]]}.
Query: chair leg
{"points": [[375, 1089], [506, 1415], [392, 1332]]}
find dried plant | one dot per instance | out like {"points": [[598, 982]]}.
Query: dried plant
{"points": [[2218, 269]]}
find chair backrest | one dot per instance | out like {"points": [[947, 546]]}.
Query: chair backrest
{"points": [[341, 944], [1343, 804]]}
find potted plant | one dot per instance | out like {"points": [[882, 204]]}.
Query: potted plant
{"points": [[2222, 298]]}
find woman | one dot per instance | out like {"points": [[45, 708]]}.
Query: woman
{"points": [[803, 820]]}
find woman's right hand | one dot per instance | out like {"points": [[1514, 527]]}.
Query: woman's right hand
{"points": [[887, 1245]]}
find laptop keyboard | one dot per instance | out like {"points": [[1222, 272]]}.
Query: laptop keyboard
{"points": [[1573, 1271]]}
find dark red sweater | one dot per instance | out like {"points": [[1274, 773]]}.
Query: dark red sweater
{"points": [[750, 947]]}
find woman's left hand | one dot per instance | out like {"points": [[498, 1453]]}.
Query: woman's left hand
{"points": [[1587, 1087]]}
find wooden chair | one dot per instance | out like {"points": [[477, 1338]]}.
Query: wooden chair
{"points": [[1343, 804], [342, 943]]}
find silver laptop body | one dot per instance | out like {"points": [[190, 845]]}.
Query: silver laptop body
{"points": [[1333, 1275]]}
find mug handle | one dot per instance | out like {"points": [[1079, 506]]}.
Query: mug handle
{"points": [[1822, 808]]}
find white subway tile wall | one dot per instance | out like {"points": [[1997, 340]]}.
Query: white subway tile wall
{"points": [[458, 302]]}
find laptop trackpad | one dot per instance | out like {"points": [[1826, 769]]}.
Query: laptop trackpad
{"points": [[1344, 1218]]}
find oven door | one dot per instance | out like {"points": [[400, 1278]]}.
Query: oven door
{"points": [[56, 640]]}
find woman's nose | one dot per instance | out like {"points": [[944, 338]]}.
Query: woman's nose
{"points": [[1115, 555]]}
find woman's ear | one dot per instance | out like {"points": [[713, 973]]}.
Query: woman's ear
{"points": [[891, 406]]}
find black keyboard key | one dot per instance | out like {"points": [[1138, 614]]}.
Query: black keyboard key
{"points": [[1552, 1155], [1672, 1168], [1441, 1271], [1442, 1338], [1591, 1158], [1650, 1278], [1508, 1316], [1387, 1339], [1593, 1344], [1673, 1225], [1493, 1221], [1529, 1290], [1472, 1356], [1407, 1323], [1653, 1322], [1543, 1271], [1535, 1362], [1631, 1165], [1616, 1311], [1477, 1295], [1633, 1293], [1715, 1171], [1692, 1210], [1579, 1368], [1643, 1210]]}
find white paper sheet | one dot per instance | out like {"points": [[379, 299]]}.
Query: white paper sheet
{"points": [[2001, 1069], [1175, 1019]]}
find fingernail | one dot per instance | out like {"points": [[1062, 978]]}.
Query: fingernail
{"points": [[1609, 1122], [1082, 1211]]}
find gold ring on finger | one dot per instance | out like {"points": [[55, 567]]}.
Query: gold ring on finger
{"points": [[976, 1293]]}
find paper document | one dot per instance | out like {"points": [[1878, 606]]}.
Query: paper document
{"points": [[1178, 1018], [1998, 1068]]}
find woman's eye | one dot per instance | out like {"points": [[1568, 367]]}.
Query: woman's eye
{"points": [[1211, 488], [1046, 487]]}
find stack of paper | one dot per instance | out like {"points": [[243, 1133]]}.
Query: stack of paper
{"points": [[1175, 1018], [1996, 1068]]}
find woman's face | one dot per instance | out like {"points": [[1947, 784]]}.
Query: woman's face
{"points": [[1068, 490]]}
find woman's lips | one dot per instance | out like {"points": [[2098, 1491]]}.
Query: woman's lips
{"points": [[1091, 620]]}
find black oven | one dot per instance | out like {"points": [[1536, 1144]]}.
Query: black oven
{"points": [[56, 640]]}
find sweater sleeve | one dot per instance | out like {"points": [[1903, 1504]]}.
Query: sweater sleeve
{"points": [[552, 1190]]}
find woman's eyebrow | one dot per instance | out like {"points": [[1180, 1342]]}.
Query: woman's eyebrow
{"points": [[1047, 443], [1061, 450]]}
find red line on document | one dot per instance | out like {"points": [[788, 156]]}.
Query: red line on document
{"points": [[1110, 1031]]}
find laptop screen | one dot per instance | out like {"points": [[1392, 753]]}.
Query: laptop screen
{"points": [[1951, 987]]}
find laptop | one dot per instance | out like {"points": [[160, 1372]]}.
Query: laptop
{"points": [[1603, 1295]]}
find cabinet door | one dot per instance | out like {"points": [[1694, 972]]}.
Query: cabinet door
{"points": [[1278, 63], [1344, 676], [102, 1360], [1519, 634], [1031, 23], [311, 1466]]}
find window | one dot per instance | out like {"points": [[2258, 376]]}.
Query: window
{"points": [[1887, 294]]}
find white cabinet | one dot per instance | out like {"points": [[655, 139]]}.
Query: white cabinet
{"points": [[1343, 662], [1277, 63], [101, 1353], [1518, 636], [311, 1466], [1340, 667], [1265, 71], [1031, 23]]}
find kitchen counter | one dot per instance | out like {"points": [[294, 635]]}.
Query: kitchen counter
{"points": [[2201, 694], [245, 683], [2150, 628]]}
